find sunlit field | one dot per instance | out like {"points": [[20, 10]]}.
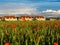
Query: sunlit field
{"points": [[29, 32]]}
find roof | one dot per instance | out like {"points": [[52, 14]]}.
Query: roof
{"points": [[0, 17], [9, 17], [39, 16], [28, 16], [53, 18], [25, 17]]}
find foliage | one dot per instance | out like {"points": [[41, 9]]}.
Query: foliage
{"points": [[29, 32]]}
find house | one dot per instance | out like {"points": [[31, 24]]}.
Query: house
{"points": [[21, 18], [29, 18], [53, 18], [40, 18], [10, 18], [1, 18], [25, 18]]}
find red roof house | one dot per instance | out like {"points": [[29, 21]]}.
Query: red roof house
{"points": [[39, 17], [10, 18]]}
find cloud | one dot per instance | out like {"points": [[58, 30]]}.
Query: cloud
{"points": [[30, 9], [51, 11], [20, 8]]}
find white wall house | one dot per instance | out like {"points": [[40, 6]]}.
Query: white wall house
{"points": [[21, 18], [52, 19], [10, 18], [27, 18], [0, 18], [40, 18]]}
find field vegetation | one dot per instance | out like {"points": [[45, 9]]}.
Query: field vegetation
{"points": [[30, 32]]}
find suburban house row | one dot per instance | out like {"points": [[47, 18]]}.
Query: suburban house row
{"points": [[24, 18]]}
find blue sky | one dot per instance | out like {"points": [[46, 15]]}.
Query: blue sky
{"points": [[29, 0], [29, 6], [40, 4]]}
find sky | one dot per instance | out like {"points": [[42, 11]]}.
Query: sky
{"points": [[31, 7]]}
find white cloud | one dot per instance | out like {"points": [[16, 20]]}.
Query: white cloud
{"points": [[20, 8], [28, 10], [51, 11]]}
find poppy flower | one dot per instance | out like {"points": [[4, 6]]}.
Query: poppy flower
{"points": [[47, 23], [35, 29], [37, 38], [7, 43], [22, 25], [55, 43], [13, 26], [55, 26]]}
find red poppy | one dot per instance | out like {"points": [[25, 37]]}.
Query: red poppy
{"points": [[55, 43], [13, 26], [35, 29], [37, 38], [47, 23], [7, 43], [56, 25], [22, 25]]}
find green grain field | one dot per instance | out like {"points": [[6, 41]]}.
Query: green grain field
{"points": [[29, 32]]}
